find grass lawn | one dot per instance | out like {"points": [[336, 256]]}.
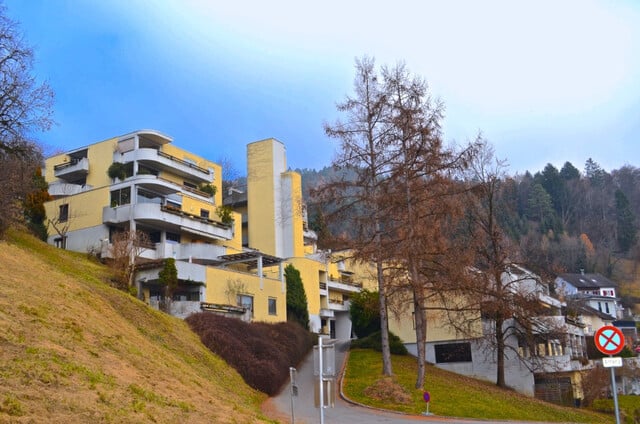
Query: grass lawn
{"points": [[451, 394]]}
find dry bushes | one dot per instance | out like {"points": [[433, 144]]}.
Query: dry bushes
{"points": [[262, 353]]}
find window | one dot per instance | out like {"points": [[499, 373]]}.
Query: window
{"points": [[272, 306], [173, 237], [189, 184], [606, 307], [63, 216], [246, 301], [453, 352], [121, 197], [146, 196], [204, 213]]}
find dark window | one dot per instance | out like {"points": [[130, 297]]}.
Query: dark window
{"points": [[155, 236], [204, 213], [64, 213], [272, 306], [188, 184], [173, 237], [453, 352]]}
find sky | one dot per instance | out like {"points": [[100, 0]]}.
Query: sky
{"points": [[544, 81]]}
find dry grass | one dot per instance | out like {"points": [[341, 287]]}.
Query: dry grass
{"points": [[74, 350], [386, 389]]}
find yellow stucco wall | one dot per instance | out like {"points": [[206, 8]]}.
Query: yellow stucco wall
{"points": [[223, 285], [85, 209], [260, 196], [438, 328], [235, 245], [96, 154], [100, 159], [309, 272], [293, 216]]}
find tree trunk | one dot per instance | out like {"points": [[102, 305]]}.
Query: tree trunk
{"points": [[384, 323], [421, 336], [500, 381]]}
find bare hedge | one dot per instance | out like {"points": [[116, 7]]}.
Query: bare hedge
{"points": [[261, 353]]}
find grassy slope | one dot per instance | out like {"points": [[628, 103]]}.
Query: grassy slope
{"points": [[454, 395], [73, 349]]}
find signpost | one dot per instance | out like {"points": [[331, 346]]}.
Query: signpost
{"points": [[610, 341], [427, 398]]}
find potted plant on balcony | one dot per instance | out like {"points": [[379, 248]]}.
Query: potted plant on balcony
{"points": [[210, 189], [117, 170], [225, 213]]}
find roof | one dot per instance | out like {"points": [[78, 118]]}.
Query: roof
{"points": [[587, 281]]}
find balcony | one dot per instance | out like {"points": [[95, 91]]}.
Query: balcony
{"points": [[72, 170], [338, 305], [346, 286], [60, 189], [167, 163], [156, 215], [326, 313]]}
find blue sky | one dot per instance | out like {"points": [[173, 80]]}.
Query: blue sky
{"points": [[545, 81]]}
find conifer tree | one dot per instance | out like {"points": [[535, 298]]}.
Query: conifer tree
{"points": [[297, 309]]}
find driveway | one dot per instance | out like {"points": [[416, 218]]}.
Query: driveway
{"points": [[305, 412]]}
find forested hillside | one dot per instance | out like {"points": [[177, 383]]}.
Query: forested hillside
{"points": [[561, 220]]}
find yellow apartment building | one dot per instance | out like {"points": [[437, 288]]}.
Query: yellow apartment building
{"points": [[172, 196]]}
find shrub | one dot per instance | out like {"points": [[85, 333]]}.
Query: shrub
{"points": [[374, 341], [261, 353], [365, 312]]}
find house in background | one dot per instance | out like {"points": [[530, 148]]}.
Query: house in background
{"points": [[591, 289], [549, 369]]}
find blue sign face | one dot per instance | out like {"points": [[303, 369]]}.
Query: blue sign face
{"points": [[426, 396]]}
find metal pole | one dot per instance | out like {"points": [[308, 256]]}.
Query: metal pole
{"points": [[291, 371], [615, 394], [321, 382]]}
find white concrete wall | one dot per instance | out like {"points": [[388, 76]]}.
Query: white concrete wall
{"points": [[82, 240]]}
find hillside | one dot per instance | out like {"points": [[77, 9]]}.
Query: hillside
{"points": [[74, 350]]}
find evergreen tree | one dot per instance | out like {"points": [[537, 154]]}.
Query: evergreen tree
{"points": [[297, 309], [34, 212], [168, 278], [625, 223]]}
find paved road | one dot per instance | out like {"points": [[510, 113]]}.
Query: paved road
{"points": [[305, 412]]}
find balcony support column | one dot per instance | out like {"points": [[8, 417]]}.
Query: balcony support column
{"points": [[260, 272], [281, 275]]}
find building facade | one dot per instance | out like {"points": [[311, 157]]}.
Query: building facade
{"points": [[141, 183]]}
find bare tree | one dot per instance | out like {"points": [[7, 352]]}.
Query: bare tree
{"points": [[363, 161], [421, 196], [25, 106], [16, 174], [124, 252], [506, 297]]}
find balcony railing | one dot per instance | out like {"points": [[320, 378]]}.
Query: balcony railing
{"points": [[183, 162], [74, 168]]}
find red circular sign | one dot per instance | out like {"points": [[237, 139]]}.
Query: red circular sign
{"points": [[609, 340]]}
